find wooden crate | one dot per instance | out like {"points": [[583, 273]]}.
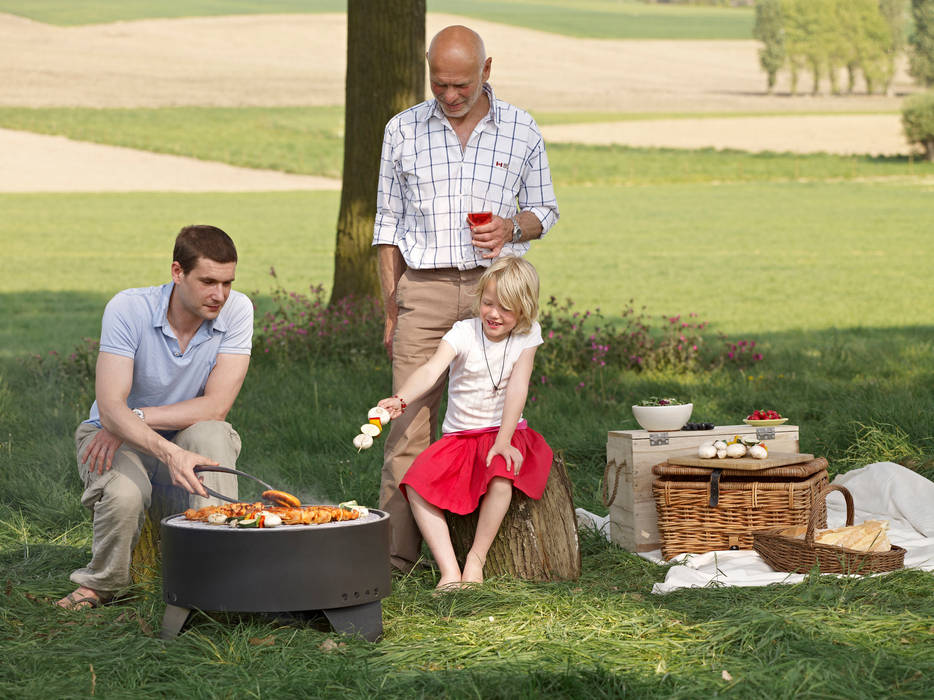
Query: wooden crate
{"points": [[630, 456]]}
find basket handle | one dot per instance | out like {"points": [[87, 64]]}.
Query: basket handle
{"points": [[815, 509]]}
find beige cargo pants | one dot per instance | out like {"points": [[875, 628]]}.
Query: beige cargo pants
{"points": [[120, 496]]}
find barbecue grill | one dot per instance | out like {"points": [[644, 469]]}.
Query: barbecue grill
{"points": [[340, 569]]}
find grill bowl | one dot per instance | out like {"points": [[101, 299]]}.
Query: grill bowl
{"points": [[287, 568]]}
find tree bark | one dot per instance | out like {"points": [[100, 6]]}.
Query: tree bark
{"points": [[537, 540], [385, 75]]}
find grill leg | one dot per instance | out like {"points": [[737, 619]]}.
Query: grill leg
{"points": [[365, 620], [172, 621]]}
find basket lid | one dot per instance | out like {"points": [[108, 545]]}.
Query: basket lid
{"points": [[774, 459], [785, 465]]}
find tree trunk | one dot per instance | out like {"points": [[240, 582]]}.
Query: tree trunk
{"points": [[537, 540], [146, 564], [385, 75]]}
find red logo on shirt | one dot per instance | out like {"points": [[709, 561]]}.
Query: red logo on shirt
{"points": [[500, 164]]}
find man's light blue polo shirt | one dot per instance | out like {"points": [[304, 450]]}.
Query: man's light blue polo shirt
{"points": [[135, 326]]}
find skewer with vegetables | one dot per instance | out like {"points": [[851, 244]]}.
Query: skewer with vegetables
{"points": [[377, 418]]}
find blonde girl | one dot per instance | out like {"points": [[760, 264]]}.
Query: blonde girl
{"points": [[487, 448]]}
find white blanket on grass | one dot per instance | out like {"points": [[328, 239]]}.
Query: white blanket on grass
{"points": [[881, 491]]}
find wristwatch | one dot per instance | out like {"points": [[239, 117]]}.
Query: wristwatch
{"points": [[139, 414], [516, 230]]}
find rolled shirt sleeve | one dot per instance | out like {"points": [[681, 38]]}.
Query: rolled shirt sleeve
{"points": [[390, 214], [537, 193]]}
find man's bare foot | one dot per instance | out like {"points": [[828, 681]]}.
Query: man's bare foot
{"points": [[84, 598], [473, 569]]}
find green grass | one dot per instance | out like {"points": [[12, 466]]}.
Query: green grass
{"points": [[60, 279], [604, 19], [608, 19], [748, 257], [601, 636], [68, 13], [309, 140], [831, 279], [571, 117]]}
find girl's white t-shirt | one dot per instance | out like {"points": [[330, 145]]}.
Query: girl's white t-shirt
{"points": [[472, 403]]}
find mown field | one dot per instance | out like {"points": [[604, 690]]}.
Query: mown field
{"points": [[603, 19], [309, 141]]}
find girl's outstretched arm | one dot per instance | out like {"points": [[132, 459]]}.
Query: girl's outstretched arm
{"points": [[516, 392], [421, 380]]}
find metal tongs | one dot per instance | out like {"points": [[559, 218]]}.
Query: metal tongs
{"points": [[228, 470]]}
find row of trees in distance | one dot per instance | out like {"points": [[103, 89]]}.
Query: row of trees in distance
{"points": [[832, 38]]}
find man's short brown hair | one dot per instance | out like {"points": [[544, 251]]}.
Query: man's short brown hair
{"points": [[202, 241]]}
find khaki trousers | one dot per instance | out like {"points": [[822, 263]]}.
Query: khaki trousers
{"points": [[120, 496], [430, 302]]}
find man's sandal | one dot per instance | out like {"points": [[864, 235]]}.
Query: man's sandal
{"points": [[75, 601]]}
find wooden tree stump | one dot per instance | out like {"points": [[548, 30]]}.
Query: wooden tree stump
{"points": [[146, 564], [537, 540]]}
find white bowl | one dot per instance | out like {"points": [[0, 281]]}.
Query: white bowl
{"points": [[662, 418]]}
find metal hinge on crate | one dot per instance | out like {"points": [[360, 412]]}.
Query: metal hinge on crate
{"points": [[765, 433], [656, 439]]}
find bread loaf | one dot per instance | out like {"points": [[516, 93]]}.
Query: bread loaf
{"points": [[868, 536]]}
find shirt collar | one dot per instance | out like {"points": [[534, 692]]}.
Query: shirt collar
{"points": [[437, 112], [160, 318]]}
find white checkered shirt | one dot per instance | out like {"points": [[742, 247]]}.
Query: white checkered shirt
{"points": [[425, 180]]}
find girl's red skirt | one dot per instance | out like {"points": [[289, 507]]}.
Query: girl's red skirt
{"points": [[452, 473]]}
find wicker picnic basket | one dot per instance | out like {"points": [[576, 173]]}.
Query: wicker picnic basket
{"points": [[703, 510], [797, 555]]}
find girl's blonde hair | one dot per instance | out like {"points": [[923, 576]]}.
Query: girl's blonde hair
{"points": [[516, 289]]}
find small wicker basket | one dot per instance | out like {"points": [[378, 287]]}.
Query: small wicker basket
{"points": [[796, 555]]}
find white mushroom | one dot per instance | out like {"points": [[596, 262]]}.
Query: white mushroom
{"points": [[721, 454], [707, 451], [737, 449], [271, 519], [758, 452], [371, 429], [379, 413], [363, 442], [217, 518], [720, 445]]}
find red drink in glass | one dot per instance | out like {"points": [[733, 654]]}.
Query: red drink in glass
{"points": [[478, 218]]}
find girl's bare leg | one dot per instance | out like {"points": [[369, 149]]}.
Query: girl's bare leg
{"points": [[492, 511], [434, 529]]}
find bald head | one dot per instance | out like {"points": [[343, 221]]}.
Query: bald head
{"points": [[457, 42], [457, 69]]}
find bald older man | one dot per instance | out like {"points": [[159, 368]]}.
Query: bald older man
{"points": [[462, 151]]}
